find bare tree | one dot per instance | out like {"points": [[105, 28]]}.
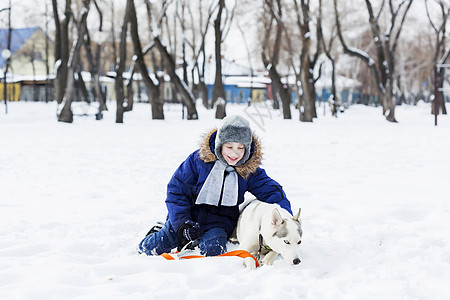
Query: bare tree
{"points": [[66, 114], [94, 61], [140, 65], [300, 43], [183, 24], [120, 67], [61, 48], [47, 46], [113, 33], [33, 66], [327, 48], [218, 92], [202, 52], [125, 100], [442, 50], [181, 86], [150, 19], [221, 26], [308, 60], [415, 67], [199, 57], [155, 95], [383, 67], [271, 54]]}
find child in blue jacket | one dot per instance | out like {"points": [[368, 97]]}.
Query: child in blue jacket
{"points": [[204, 193]]}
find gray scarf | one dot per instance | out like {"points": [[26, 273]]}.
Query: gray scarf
{"points": [[216, 186]]}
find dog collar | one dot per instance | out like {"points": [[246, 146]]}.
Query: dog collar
{"points": [[267, 247], [261, 243]]}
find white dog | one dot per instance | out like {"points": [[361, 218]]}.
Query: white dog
{"points": [[267, 229]]}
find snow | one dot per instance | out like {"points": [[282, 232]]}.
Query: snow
{"points": [[76, 199]]}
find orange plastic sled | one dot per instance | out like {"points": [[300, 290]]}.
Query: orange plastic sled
{"points": [[240, 253]]}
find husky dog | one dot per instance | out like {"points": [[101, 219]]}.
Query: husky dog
{"points": [[267, 229]]}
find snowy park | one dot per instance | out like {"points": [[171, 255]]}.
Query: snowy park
{"points": [[102, 101], [76, 199]]}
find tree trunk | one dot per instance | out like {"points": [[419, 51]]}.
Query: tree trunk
{"points": [[220, 109], [280, 92], [306, 111], [155, 98], [308, 97], [308, 108], [202, 51], [187, 97], [441, 98], [35, 87], [120, 68], [57, 30], [204, 93], [335, 102], [219, 89], [120, 96], [63, 46], [66, 114], [96, 80], [81, 86], [270, 57], [47, 68], [130, 93], [390, 103], [201, 76], [94, 65]]}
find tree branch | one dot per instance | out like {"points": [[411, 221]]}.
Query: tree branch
{"points": [[394, 47]]}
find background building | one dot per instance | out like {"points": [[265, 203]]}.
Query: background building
{"points": [[31, 63]]}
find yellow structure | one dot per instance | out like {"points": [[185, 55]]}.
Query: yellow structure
{"points": [[13, 91], [257, 95]]}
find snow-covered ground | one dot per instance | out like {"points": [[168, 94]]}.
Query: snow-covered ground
{"points": [[76, 199]]}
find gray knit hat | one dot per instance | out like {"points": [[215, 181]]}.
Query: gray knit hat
{"points": [[234, 129]]}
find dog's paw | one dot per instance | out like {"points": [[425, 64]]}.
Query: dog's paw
{"points": [[269, 258], [267, 262], [249, 263]]}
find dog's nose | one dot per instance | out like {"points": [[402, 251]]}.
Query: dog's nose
{"points": [[296, 261]]}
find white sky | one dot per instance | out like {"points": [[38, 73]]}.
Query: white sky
{"points": [[29, 13]]}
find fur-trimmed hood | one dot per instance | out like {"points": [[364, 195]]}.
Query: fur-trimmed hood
{"points": [[206, 153]]}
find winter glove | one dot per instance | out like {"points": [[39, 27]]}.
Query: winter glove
{"points": [[190, 230]]}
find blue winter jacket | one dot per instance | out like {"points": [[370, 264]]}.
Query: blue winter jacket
{"points": [[188, 179]]}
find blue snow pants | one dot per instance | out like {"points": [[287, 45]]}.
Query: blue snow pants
{"points": [[211, 243]]}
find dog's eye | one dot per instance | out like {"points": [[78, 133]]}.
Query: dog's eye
{"points": [[299, 242], [286, 242]]}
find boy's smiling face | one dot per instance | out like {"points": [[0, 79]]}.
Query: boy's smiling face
{"points": [[233, 152]]}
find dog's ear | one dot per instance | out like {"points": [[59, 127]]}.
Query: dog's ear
{"points": [[276, 217], [297, 216]]}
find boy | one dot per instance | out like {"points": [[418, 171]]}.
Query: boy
{"points": [[205, 191]]}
